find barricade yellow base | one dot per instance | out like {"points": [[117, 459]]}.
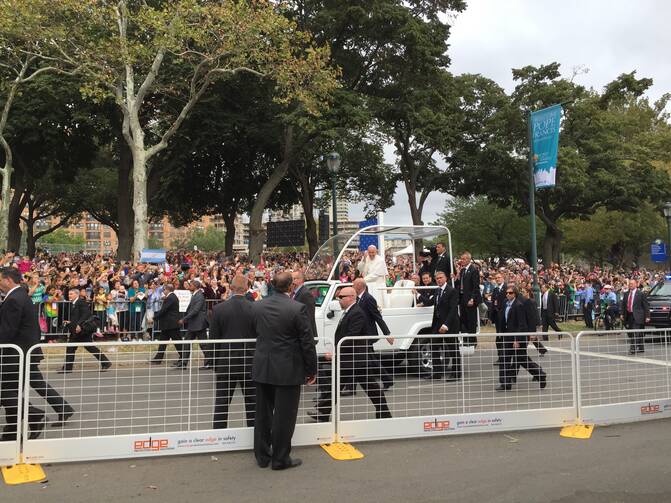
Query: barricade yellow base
{"points": [[22, 474], [342, 452], [582, 431]]}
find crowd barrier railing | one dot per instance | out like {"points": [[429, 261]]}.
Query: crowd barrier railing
{"points": [[623, 375], [136, 408], [439, 391], [11, 390]]}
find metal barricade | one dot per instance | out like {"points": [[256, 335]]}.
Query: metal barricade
{"points": [[437, 390], [11, 393], [142, 405], [153, 324], [623, 375]]}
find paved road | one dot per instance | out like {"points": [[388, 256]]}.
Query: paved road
{"points": [[619, 464]]}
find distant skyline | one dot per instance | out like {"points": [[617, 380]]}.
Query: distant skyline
{"points": [[607, 38]]}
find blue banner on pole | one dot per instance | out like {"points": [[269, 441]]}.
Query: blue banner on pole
{"points": [[545, 145], [366, 241], [658, 251]]}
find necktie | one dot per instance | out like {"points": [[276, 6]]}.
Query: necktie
{"points": [[630, 307]]}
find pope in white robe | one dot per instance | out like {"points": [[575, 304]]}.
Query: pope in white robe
{"points": [[373, 269]]}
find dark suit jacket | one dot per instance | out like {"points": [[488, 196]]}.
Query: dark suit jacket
{"points": [[353, 323], [445, 310], [532, 314], [518, 318], [368, 305], [285, 353], [499, 306], [233, 319], [441, 263], [19, 323], [79, 313], [196, 313], [304, 296], [553, 303], [468, 284], [168, 315], [641, 307]]}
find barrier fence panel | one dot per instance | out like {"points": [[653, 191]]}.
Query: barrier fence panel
{"points": [[11, 391], [438, 390], [137, 408], [623, 375]]}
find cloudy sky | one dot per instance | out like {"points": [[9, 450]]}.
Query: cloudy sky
{"points": [[605, 37]]}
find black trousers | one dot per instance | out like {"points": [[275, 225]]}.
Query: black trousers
{"points": [[507, 363], [377, 368], [521, 359], [170, 334], [184, 350], [10, 397], [276, 412], [450, 347], [587, 314], [352, 377], [468, 316], [46, 391], [548, 320], [226, 382], [70, 355], [636, 339]]}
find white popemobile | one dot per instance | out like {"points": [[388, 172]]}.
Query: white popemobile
{"points": [[398, 307]]}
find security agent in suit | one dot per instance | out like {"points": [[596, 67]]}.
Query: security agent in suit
{"points": [[19, 326], [303, 295], [79, 332], [284, 360], [167, 319], [374, 319], [355, 363], [233, 319], [195, 321], [440, 260], [549, 310], [635, 313], [445, 321], [468, 285], [498, 312], [514, 354], [522, 358]]}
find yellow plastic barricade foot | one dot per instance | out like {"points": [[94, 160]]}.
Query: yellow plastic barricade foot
{"points": [[342, 452], [577, 431], [22, 474]]}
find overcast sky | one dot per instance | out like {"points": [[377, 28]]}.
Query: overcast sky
{"points": [[606, 37]]}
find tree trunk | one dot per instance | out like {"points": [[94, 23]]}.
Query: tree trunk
{"points": [[415, 211], [30, 236], [307, 201], [229, 240], [551, 245], [256, 234], [140, 223], [16, 206], [124, 207]]}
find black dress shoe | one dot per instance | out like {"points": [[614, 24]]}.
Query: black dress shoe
{"points": [[348, 392], [263, 464], [64, 371], [543, 381], [156, 362], [180, 366], [63, 418], [36, 429], [504, 388], [206, 367], [320, 418], [453, 378], [632, 351], [387, 385], [293, 463], [104, 366], [640, 350]]}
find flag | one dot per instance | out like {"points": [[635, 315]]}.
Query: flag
{"points": [[545, 145]]}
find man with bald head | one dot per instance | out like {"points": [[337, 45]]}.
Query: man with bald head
{"points": [[355, 365], [374, 271]]}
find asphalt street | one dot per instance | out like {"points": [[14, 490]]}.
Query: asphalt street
{"points": [[619, 464]]}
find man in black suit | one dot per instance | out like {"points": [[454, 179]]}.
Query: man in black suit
{"points": [[284, 360], [19, 326], [233, 319], [374, 319], [167, 319], [635, 313], [468, 284], [354, 359], [81, 331], [305, 297], [440, 260], [514, 353], [445, 321], [498, 312], [195, 320], [549, 310]]}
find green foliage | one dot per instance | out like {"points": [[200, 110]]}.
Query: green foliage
{"points": [[485, 229], [62, 237], [207, 240]]}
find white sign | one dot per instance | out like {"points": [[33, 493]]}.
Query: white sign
{"points": [[184, 297]]}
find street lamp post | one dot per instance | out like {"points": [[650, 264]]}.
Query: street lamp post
{"points": [[333, 164], [667, 214]]}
